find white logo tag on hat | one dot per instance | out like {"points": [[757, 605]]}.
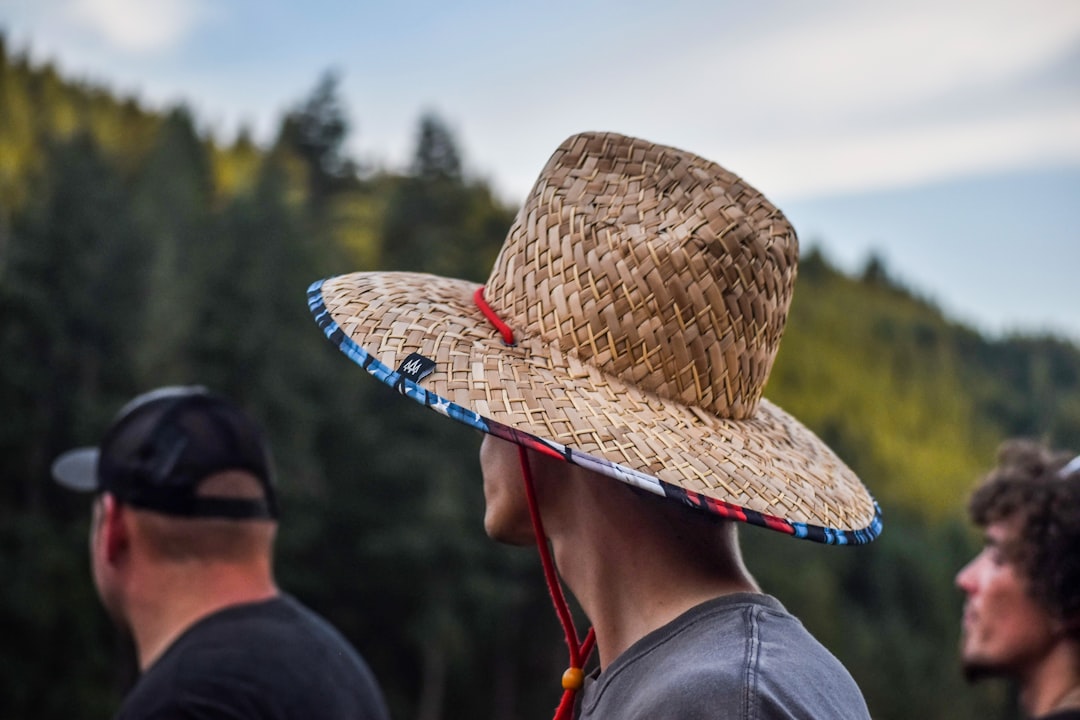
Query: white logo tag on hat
{"points": [[416, 367]]}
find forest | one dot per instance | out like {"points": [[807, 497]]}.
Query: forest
{"points": [[138, 250]]}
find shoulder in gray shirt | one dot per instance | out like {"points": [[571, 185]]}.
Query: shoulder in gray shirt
{"points": [[738, 656]]}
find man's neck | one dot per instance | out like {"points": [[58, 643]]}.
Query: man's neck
{"points": [[172, 598], [632, 578], [1054, 683]]}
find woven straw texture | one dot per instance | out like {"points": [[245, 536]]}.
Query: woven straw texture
{"points": [[647, 289]]}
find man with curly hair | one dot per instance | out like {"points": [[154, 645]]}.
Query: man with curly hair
{"points": [[1022, 613]]}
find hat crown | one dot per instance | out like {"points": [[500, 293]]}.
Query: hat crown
{"points": [[654, 265]]}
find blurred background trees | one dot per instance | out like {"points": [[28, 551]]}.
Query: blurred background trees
{"points": [[137, 251]]}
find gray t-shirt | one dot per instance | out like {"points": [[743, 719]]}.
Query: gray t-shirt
{"points": [[738, 656]]}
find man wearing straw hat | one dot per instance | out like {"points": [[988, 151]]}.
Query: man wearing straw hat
{"points": [[1022, 611], [615, 360]]}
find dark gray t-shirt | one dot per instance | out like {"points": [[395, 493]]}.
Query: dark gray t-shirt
{"points": [[738, 656]]}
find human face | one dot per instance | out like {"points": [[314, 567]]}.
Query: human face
{"points": [[1005, 631], [506, 514]]}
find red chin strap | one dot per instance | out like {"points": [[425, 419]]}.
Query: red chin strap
{"points": [[574, 677]]}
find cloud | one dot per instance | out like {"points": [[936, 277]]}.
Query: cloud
{"points": [[802, 98], [873, 95], [866, 57], [846, 97], [891, 158], [138, 26]]}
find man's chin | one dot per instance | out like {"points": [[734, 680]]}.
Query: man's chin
{"points": [[510, 536]]}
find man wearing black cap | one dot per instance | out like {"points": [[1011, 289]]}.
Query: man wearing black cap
{"points": [[181, 546]]}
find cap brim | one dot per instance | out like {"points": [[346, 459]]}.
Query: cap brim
{"points": [[768, 470], [77, 469]]}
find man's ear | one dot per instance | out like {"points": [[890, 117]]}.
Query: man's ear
{"points": [[114, 526]]}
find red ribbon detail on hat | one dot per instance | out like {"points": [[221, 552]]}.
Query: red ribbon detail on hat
{"points": [[579, 650], [503, 328]]}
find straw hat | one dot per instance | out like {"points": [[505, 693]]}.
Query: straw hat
{"points": [[646, 290]]}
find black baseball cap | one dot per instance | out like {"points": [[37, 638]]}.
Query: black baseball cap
{"points": [[165, 442]]}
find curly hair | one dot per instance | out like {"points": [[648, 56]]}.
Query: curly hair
{"points": [[1028, 487]]}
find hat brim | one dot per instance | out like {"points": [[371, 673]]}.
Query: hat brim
{"points": [[77, 469], [768, 470]]}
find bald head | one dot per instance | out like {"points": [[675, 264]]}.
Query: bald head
{"points": [[169, 538]]}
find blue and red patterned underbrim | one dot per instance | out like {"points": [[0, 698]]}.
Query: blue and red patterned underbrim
{"points": [[719, 508]]}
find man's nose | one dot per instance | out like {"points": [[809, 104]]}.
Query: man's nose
{"points": [[965, 578]]}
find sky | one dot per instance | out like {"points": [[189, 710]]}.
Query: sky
{"points": [[941, 136]]}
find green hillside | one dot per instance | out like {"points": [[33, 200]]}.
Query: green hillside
{"points": [[916, 403], [135, 251]]}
